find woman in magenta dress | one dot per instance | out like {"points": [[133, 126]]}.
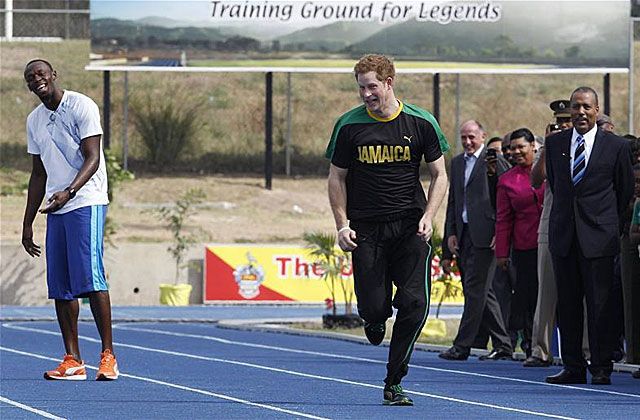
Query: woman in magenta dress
{"points": [[519, 207]]}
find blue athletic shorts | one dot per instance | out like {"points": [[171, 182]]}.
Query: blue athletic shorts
{"points": [[74, 252]]}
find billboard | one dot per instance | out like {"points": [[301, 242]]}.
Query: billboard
{"points": [[302, 33], [287, 274], [266, 273]]}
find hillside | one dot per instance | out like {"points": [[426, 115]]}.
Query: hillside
{"points": [[332, 37]]}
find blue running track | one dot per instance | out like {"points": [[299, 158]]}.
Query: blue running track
{"points": [[203, 370]]}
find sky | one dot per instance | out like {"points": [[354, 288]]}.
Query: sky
{"points": [[178, 10]]}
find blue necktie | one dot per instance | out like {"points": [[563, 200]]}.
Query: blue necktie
{"points": [[579, 162], [468, 168]]}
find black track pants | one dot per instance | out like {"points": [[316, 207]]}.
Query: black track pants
{"points": [[392, 253]]}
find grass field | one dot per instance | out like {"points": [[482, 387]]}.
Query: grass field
{"points": [[230, 107], [226, 160]]}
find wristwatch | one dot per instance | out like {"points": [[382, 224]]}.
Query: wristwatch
{"points": [[71, 191]]}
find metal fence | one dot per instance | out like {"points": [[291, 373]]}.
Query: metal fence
{"points": [[44, 19]]}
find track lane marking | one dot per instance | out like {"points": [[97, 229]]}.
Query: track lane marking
{"points": [[363, 359], [301, 374], [176, 386], [30, 409]]}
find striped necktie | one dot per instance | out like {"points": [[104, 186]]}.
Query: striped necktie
{"points": [[579, 162]]}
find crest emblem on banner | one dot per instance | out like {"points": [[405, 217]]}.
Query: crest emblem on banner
{"points": [[249, 277]]}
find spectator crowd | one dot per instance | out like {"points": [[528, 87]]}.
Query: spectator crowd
{"points": [[546, 232]]}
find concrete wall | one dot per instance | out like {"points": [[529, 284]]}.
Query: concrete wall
{"points": [[134, 272]]}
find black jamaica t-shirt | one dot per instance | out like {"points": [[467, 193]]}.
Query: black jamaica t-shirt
{"points": [[383, 158]]}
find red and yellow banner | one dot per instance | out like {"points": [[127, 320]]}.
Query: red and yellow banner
{"points": [[265, 273], [288, 274]]}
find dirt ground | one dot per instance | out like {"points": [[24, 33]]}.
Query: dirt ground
{"points": [[236, 209]]}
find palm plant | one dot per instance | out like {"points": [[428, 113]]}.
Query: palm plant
{"points": [[333, 263], [450, 290], [451, 287]]}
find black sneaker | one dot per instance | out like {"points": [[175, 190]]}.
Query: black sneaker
{"points": [[394, 395], [375, 332]]}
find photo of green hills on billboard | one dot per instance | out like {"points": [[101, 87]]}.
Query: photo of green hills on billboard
{"points": [[417, 34]]}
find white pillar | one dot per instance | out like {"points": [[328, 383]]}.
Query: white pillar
{"points": [[8, 19]]}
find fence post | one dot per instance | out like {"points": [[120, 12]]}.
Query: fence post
{"points": [[436, 96], [607, 93], [288, 149], [106, 100], [125, 123], [268, 135]]}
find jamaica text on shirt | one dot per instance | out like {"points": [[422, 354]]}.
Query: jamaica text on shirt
{"points": [[383, 153]]}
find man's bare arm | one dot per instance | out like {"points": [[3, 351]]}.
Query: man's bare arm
{"points": [[35, 194], [337, 186], [435, 195]]}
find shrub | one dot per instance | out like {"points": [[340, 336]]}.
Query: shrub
{"points": [[175, 216], [115, 175], [167, 128]]}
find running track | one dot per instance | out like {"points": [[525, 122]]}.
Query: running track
{"points": [[204, 370]]}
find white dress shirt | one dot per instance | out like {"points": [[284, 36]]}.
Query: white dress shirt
{"points": [[589, 139], [469, 164]]}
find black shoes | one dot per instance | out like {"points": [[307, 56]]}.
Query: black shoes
{"points": [[394, 395], [375, 332], [453, 354], [600, 379], [534, 361], [617, 355], [496, 355], [636, 374], [567, 377]]}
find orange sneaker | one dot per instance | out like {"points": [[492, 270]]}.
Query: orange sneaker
{"points": [[108, 370], [68, 370]]}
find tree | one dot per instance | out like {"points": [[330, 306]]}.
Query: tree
{"points": [[572, 52]]}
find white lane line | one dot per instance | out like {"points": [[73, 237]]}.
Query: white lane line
{"points": [[362, 359], [302, 374], [30, 409], [176, 386]]}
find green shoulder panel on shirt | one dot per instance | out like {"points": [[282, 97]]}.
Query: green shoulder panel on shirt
{"points": [[636, 213], [425, 115], [357, 115]]}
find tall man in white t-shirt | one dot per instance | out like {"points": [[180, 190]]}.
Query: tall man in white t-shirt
{"points": [[64, 139]]}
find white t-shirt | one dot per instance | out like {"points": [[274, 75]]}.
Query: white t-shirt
{"points": [[56, 136]]}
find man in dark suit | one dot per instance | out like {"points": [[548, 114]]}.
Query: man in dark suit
{"points": [[469, 235], [590, 174]]}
